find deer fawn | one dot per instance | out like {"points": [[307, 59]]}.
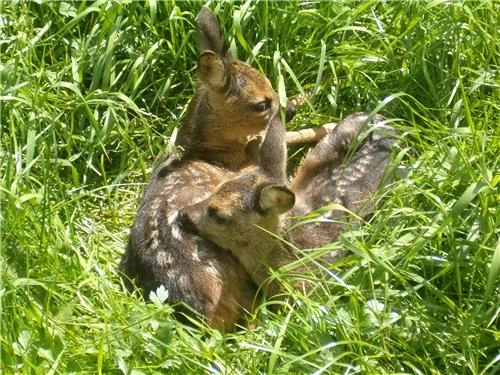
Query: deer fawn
{"points": [[235, 214], [226, 120]]}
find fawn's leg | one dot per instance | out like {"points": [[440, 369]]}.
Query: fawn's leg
{"points": [[343, 168]]}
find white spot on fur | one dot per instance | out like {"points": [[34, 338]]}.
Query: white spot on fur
{"points": [[163, 259], [155, 205], [211, 269], [172, 216], [176, 233], [183, 281], [154, 244]]}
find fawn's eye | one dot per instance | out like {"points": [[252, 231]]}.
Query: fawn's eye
{"points": [[262, 106], [216, 216]]}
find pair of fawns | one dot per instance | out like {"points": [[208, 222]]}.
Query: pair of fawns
{"points": [[214, 221]]}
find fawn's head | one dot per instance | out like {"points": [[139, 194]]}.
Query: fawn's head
{"points": [[231, 216], [233, 102], [235, 214]]}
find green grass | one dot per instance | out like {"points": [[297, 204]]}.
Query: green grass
{"points": [[90, 93]]}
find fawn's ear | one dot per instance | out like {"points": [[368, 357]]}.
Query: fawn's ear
{"points": [[208, 33], [277, 198], [273, 153], [212, 70]]}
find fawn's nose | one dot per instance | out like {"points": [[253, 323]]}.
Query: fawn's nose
{"points": [[290, 111]]}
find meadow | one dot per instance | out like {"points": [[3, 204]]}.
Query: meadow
{"points": [[91, 93]]}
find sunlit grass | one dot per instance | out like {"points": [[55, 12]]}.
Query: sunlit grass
{"points": [[90, 94]]}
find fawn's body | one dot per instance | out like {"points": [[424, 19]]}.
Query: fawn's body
{"points": [[226, 118]]}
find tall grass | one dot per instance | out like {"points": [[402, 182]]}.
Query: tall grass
{"points": [[92, 92]]}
